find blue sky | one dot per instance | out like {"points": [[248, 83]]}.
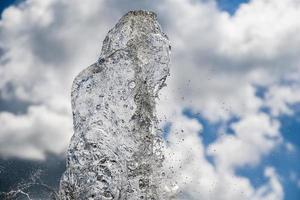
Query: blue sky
{"points": [[230, 6], [228, 77], [285, 161], [6, 3]]}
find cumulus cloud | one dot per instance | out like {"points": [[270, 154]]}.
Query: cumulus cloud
{"points": [[197, 178], [255, 136], [34, 134], [218, 58], [45, 43], [218, 62]]}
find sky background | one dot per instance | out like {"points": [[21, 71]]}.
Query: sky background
{"points": [[230, 112]]}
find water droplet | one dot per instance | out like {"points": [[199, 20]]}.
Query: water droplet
{"points": [[101, 61], [108, 195], [131, 84], [132, 165], [98, 107], [100, 122], [99, 177], [130, 190], [143, 183], [103, 160]]}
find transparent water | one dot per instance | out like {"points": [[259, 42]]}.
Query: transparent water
{"points": [[116, 150]]}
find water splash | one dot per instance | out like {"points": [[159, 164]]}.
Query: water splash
{"points": [[116, 150]]}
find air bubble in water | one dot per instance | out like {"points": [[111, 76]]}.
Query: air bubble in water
{"points": [[131, 84]]}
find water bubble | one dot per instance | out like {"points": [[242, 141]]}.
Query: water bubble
{"points": [[143, 183], [132, 165], [99, 122], [108, 195], [101, 61], [99, 177], [131, 84]]}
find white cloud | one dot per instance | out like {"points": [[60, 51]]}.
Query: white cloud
{"points": [[279, 98], [217, 58], [273, 190], [197, 178], [46, 43], [263, 32], [32, 135], [255, 136]]}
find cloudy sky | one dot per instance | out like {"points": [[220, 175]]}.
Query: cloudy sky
{"points": [[230, 112]]}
